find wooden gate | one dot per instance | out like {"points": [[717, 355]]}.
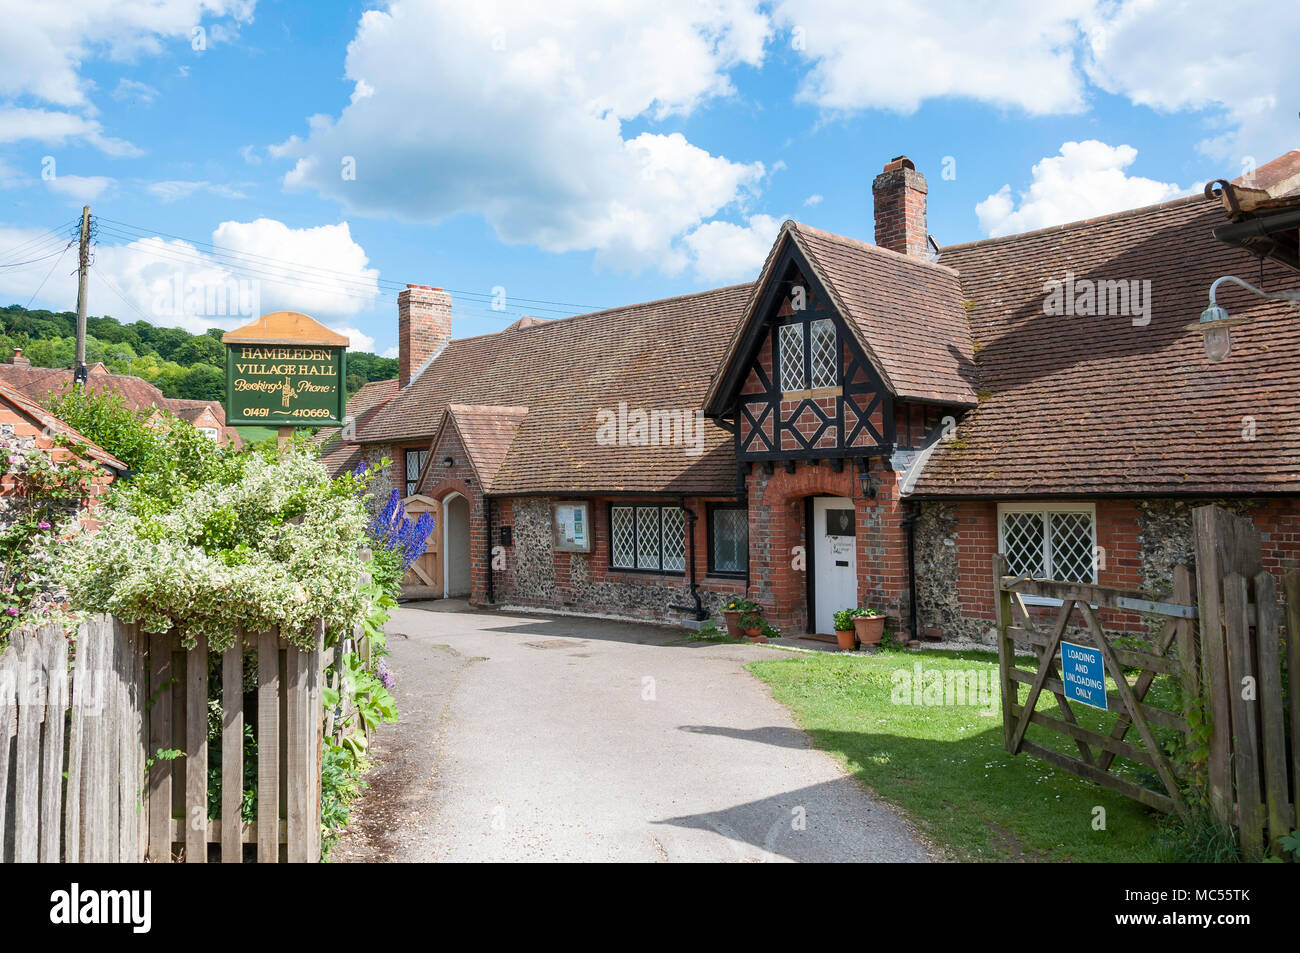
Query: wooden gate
{"points": [[1221, 638], [424, 579], [1126, 707]]}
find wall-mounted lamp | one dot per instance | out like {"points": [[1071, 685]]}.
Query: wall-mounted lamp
{"points": [[1216, 324], [448, 462], [865, 481]]}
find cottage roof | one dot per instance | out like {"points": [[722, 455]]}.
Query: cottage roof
{"points": [[655, 356], [42, 418], [1106, 404]]}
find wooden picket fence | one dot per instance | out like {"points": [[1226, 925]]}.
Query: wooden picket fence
{"points": [[1254, 766], [128, 726], [1225, 630]]}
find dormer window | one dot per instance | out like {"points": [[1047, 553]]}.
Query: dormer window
{"points": [[808, 355]]}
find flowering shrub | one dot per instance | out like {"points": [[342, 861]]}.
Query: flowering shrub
{"points": [[277, 544], [398, 539], [48, 488], [166, 454]]}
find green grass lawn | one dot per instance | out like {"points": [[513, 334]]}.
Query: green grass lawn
{"points": [[255, 434], [946, 765]]}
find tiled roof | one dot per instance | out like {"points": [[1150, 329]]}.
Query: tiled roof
{"points": [[47, 421], [1097, 405], [907, 313], [908, 310], [659, 355], [40, 382], [486, 434], [338, 456]]}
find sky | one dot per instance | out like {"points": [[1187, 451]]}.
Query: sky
{"points": [[245, 156]]}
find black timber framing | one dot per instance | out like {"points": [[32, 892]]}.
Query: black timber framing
{"points": [[791, 263]]}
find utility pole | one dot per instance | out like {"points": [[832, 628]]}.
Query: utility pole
{"points": [[83, 270]]}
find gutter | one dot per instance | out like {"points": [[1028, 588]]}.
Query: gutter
{"points": [[1249, 233]]}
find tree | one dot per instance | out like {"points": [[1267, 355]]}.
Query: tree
{"points": [[202, 382]]}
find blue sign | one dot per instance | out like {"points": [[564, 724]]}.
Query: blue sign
{"points": [[1084, 674]]}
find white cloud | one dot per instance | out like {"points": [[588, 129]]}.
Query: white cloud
{"points": [[44, 44], [390, 352], [178, 284], [357, 340], [518, 118], [814, 200], [82, 188], [53, 127], [135, 91], [1244, 74], [1040, 58], [721, 251], [1084, 180], [175, 189], [869, 54]]}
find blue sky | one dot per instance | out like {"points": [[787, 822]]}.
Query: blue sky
{"points": [[596, 156]]}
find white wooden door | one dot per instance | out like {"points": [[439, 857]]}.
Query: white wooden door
{"points": [[834, 547]]}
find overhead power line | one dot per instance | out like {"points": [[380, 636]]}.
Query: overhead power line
{"points": [[47, 276], [135, 232]]}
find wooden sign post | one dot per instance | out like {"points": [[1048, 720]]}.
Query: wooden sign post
{"points": [[285, 370]]}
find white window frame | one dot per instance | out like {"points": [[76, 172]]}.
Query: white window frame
{"points": [[1048, 507]]}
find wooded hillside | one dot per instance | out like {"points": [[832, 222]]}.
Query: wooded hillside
{"points": [[178, 363]]}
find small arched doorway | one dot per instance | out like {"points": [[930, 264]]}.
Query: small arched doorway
{"points": [[455, 546]]}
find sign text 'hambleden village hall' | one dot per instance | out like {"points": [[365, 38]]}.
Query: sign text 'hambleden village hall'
{"points": [[285, 370]]}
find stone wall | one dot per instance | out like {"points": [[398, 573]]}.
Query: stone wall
{"points": [[535, 574]]}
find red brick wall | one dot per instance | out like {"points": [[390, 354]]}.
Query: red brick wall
{"points": [[439, 483], [776, 527], [423, 326], [899, 193], [23, 431]]}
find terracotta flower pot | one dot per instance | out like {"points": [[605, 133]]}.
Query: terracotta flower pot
{"points": [[870, 628], [754, 634], [845, 638], [733, 623]]}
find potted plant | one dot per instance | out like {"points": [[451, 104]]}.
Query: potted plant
{"points": [[870, 625], [843, 622], [732, 612], [751, 623]]}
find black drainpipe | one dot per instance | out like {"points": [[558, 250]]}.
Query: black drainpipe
{"points": [[910, 522], [698, 608], [491, 589]]}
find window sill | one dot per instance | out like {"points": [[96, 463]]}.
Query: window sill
{"points": [[643, 573], [726, 576], [812, 393]]}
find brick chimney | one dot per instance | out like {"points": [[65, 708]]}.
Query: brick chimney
{"points": [[18, 357], [899, 192], [423, 328]]}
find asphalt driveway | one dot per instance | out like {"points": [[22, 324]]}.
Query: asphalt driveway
{"points": [[544, 738]]}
